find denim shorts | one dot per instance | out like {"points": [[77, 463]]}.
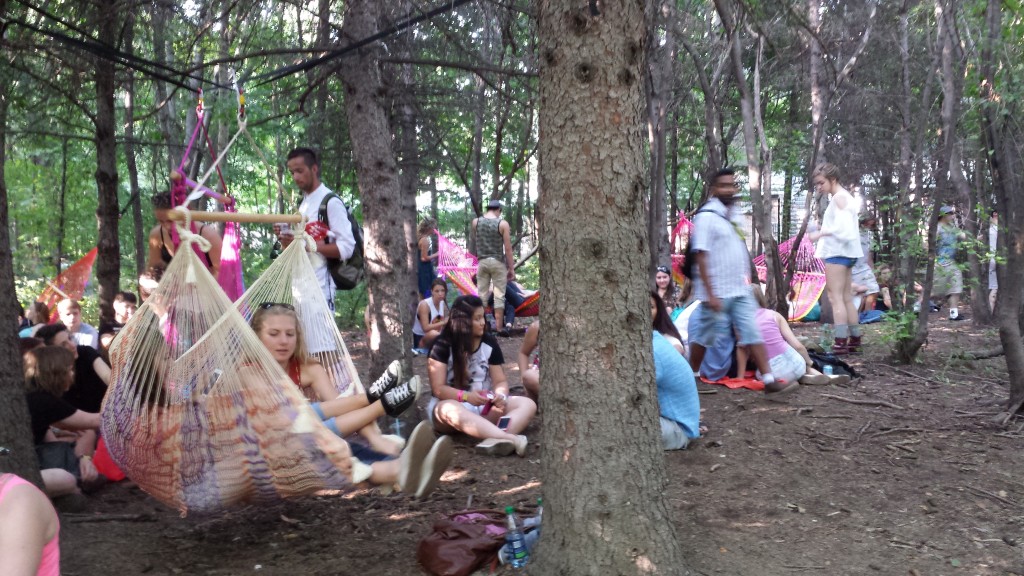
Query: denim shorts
{"points": [[367, 455], [706, 325], [842, 261]]}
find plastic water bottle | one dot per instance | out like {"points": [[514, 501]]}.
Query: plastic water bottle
{"points": [[827, 370], [514, 539]]}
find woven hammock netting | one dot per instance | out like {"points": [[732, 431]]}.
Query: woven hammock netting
{"points": [[198, 412], [808, 279], [70, 283]]}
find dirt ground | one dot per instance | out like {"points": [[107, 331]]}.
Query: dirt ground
{"points": [[900, 472]]}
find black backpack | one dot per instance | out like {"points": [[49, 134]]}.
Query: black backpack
{"points": [[345, 273]]}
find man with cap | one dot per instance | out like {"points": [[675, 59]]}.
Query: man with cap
{"points": [[949, 279], [494, 252]]}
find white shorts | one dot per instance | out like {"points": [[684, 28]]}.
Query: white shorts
{"points": [[789, 366]]}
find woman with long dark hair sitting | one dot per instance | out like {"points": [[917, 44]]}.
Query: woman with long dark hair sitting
{"points": [[469, 385]]}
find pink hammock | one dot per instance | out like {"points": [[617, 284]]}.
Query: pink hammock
{"points": [[455, 263], [808, 279], [230, 275], [680, 236]]}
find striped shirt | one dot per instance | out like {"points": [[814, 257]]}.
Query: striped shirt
{"points": [[728, 261]]}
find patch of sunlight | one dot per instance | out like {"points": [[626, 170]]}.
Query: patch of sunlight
{"points": [[528, 486], [453, 475], [407, 515], [644, 564]]}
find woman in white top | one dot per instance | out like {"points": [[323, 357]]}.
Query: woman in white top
{"points": [[431, 315], [838, 244]]}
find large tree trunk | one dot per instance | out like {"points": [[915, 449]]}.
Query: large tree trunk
{"points": [[604, 473], [17, 454], [378, 179], [166, 111], [108, 261], [1003, 141]]}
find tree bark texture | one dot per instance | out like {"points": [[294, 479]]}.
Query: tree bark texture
{"points": [[379, 187], [108, 261], [17, 453], [604, 473]]}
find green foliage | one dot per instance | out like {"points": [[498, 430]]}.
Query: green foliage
{"points": [[898, 327]]}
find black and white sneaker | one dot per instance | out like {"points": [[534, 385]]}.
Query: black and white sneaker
{"points": [[401, 397], [386, 381]]}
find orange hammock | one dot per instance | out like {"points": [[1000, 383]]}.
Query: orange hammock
{"points": [[459, 267], [808, 280], [70, 283]]}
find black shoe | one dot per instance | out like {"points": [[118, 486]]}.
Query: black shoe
{"points": [[956, 319], [401, 397], [386, 381], [503, 333]]}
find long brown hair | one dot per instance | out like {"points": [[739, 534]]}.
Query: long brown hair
{"points": [[458, 332], [49, 368]]}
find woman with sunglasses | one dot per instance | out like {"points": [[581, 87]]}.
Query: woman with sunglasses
{"points": [[419, 465], [469, 385]]}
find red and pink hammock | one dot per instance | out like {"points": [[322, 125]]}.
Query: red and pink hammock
{"points": [[808, 280]]}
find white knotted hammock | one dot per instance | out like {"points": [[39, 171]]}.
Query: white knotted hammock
{"points": [[199, 414]]}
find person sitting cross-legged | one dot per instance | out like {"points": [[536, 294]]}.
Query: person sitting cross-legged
{"points": [[431, 315], [469, 385]]}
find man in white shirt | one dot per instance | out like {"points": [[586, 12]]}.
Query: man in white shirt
{"points": [[304, 166], [70, 312], [723, 283]]}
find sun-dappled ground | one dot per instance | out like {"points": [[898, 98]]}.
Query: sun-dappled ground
{"points": [[900, 472]]}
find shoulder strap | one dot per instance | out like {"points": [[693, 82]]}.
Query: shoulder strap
{"points": [[322, 213]]}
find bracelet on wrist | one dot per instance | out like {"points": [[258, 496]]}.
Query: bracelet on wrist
{"points": [[85, 457]]}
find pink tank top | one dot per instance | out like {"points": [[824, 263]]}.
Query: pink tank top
{"points": [[50, 563], [774, 343]]}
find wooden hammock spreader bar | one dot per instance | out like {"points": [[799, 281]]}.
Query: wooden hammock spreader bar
{"points": [[203, 216]]}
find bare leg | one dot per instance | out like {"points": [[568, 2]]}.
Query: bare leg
{"points": [[429, 338], [341, 406], [377, 441], [742, 353], [452, 416], [58, 482], [992, 299], [520, 412], [852, 317], [499, 317], [760, 358], [696, 356], [531, 381], [836, 282], [385, 472], [356, 420]]}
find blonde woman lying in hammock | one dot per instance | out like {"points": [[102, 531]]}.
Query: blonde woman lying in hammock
{"points": [[418, 467]]}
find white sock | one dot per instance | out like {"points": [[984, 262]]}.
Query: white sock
{"points": [[954, 313], [768, 378]]}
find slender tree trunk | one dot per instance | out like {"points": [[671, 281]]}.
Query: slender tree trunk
{"points": [[379, 187], [1003, 141], [166, 111], [592, 183], [658, 85], [758, 160], [17, 453], [108, 261], [62, 203], [129, 153]]}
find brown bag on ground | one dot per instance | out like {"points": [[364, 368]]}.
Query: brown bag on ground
{"points": [[463, 542]]}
